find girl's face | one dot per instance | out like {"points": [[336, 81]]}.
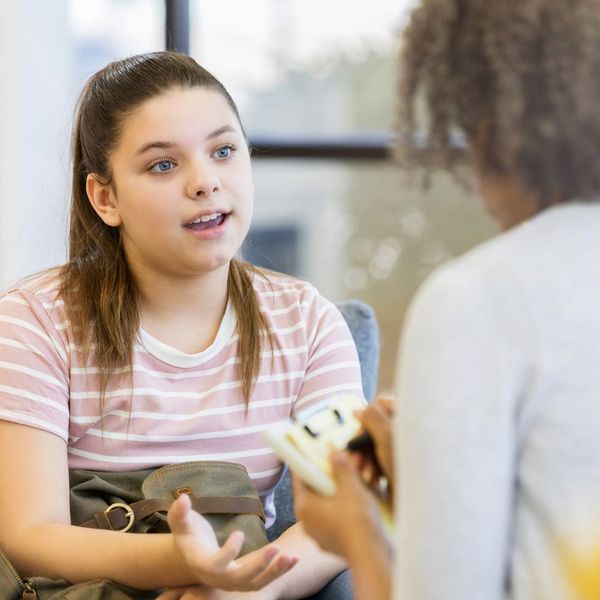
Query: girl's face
{"points": [[182, 189]]}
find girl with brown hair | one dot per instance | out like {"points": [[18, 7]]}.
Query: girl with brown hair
{"points": [[497, 415], [154, 345]]}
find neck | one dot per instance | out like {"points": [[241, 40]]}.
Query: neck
{"points": [[508, 202], [184, 312]]}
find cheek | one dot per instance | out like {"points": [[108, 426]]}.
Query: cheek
{"points": [[244, 191], [142, 203], [249, 209]]}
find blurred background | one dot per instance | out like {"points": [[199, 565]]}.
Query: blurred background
{"points": [[315, 84]]}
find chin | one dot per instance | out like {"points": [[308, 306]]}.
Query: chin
{"points": [[213, 265]]}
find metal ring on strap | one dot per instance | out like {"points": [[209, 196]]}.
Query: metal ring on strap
{"points": [[128, 513]]}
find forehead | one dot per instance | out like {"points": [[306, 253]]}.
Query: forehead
{"points": [[177, 115]]}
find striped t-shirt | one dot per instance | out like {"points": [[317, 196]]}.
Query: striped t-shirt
{"points": [[181, 407]]}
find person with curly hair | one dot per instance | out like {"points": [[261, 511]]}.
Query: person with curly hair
{"points": [[497, 419]]}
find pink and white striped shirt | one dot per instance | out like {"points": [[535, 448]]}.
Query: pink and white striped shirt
{"points": [[181, 407]]}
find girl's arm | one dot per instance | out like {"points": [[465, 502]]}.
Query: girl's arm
{"points": [[315, 568], [36, 534]]}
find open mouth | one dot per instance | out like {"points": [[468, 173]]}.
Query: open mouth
{"points": [[206, 222]]}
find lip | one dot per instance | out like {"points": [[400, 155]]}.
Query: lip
{"points": [[206, 213], [214, 232]]}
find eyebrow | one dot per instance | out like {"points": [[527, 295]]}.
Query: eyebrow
{"points": [[166, 145]]}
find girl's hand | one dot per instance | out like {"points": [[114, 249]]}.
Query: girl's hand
{"points": [[343, 523], [202, 592], [378, 419], [197, 592], [216, 567]]}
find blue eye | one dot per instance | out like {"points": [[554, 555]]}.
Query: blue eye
{"points": [[224, 152], [162, 166]]}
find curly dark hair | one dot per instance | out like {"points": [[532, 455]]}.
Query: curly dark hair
{"points": [[519, 78]]}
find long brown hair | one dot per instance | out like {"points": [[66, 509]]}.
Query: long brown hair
{"points": [[519, 77], [99, 291]]}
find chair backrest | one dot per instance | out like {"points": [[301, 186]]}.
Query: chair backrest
{"points": [[362, 323]]}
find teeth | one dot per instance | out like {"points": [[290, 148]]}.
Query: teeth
{"points": [[206, 218]]}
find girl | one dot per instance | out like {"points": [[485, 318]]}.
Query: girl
{"points": [[154, 345], [497, 418]]}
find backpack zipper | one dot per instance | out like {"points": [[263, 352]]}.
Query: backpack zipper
{"points": [[28, 593]]}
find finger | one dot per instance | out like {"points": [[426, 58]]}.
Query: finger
{"points": [[178, 514], [376, 420], [246, 569], [358, 460], [196, 539], [190, 528], [301, 495], [228, 551], [385, 394], [282, 564], [387, 401], [214, 563], [368, 473], [379, 424], [300, 491], [374, 482], [343, 470], [297, 485], [304, 497], [183, 520], [350, 483]]}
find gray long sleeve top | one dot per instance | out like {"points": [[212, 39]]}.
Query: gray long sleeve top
{"points": [[498, 423]]}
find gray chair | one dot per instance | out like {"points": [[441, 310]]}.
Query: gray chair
{"points": [[363, 327]]}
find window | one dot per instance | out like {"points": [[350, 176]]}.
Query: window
{"points": [[104, 30], [314, 82], [308, 75]]}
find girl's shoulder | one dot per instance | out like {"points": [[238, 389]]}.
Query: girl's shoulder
{"points": [[33, 309], [40, 288], [272, 288], [34, 300], [286, 301]]}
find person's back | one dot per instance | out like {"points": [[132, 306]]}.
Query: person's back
{"points": [[528, 338], [556, 269]]}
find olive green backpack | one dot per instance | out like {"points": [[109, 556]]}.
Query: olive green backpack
{"points": [[137, 501]]}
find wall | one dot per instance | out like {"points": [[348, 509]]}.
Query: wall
{"points": [[36, 103]]}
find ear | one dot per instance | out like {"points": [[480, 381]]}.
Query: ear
{"points": [[103, 200]]}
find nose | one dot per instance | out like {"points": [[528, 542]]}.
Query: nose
{"points": [[203, 182]]}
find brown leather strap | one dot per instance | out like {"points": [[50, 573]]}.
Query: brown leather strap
{"points": [[121, 516]]}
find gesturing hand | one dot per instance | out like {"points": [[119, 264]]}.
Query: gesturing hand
{"points": [[202, 592], [216, 567]]}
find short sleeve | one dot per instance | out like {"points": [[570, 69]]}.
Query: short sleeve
{"points": [[333, 367], [34, 374]]}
